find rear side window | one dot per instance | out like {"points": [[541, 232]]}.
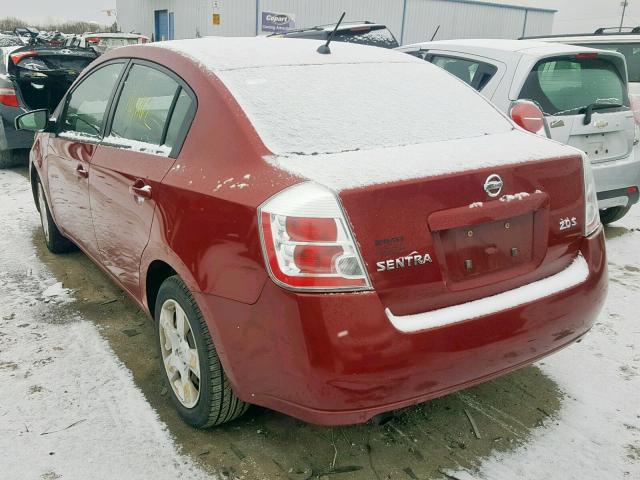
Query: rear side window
{"points": [[143, 108], [180, 115], [378, 37], [153, 112], [474, 73], [566, 85], [85, 111], [631, 53], [463, 69]]}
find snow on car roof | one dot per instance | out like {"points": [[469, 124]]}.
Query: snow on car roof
{"points": [[361, 115], [357, 98], [230, 53]]}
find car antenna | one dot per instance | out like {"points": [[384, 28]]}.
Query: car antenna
{"points": [[435, 33], [324, 49]]}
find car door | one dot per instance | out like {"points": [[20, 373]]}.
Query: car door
{"points": [[145, 135], [79, 129]]}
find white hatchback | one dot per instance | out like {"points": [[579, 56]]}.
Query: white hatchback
{"points": [[574, 95]]}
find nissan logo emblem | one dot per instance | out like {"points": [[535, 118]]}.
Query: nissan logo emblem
{"points": [[493, 185]]}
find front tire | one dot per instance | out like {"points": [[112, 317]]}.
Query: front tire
{"points": [[55, 241], [613, 214], [199, 387]]}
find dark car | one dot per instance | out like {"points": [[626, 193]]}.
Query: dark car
{"points": [[304, 253], [33, 77], [363, 33]]}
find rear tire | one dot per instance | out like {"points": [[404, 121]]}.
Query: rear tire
{"points": [[200, 390], [613, 214], [14, 158], [55, 241]]}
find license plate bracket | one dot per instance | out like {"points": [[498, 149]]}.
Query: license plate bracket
{"points": [[488, 248]]}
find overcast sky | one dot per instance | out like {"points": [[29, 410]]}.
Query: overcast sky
{"points": [[43, 11], [573, 15]]}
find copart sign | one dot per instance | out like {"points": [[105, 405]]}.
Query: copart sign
{"points": [[278, 22]]}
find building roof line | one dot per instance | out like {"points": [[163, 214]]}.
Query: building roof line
{"points": [[504, 5]]}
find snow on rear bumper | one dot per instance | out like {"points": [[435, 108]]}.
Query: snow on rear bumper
{"points": [[576, 273]]}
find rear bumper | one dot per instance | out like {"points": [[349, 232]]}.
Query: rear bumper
{"points": [[337, 359], [617, 176], [622, 197]]}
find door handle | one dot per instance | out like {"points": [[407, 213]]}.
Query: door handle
{"points": [[81, 172], [141, 190]]}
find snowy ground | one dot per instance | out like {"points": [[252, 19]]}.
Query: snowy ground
{"points": [[69, 408], [596, 434]]}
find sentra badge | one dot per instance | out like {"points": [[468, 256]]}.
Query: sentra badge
{"points": [[414, 259]]}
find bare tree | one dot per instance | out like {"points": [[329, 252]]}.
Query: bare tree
{"points": [[10, 23]]}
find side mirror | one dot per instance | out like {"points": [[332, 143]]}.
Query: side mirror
{"points": [[35, 121], [528, 115]]}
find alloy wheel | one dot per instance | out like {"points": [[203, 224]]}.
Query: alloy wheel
{"points": [[179, 353]]}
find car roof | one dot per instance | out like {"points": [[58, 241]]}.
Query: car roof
{"points": [[228, 53], [592, 38], [501, 47]]}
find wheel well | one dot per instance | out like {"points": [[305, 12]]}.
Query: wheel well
{"points": [[157, 273]]}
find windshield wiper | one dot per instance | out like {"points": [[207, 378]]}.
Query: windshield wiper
{"points": [[588, 111]]}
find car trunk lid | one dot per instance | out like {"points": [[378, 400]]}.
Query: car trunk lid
{"points": [[450, 222], [443, 241], [44, 74]]}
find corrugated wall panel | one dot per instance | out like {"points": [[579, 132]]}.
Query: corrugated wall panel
{"points": [[460, 20], [538, 23], [457, 19], [237, 18]]}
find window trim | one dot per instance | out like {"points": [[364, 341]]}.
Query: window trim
{"points": [[58, 130], [182, 85]]}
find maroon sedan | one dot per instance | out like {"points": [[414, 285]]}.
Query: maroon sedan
{"points": [[330, 236]]}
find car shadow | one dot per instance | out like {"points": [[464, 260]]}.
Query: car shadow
{"points": [[424, 441]]}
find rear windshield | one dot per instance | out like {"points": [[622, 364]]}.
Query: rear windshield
{"points": [[377, 37], [343, 107], [566, 85], [631, 53]]}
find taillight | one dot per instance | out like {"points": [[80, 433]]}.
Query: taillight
{"points": [[587, 56], [591, 211], [528, 116], [142, 40], [634, 100], [93, 40], [8, 97], [307, 242], [17, 56]]}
